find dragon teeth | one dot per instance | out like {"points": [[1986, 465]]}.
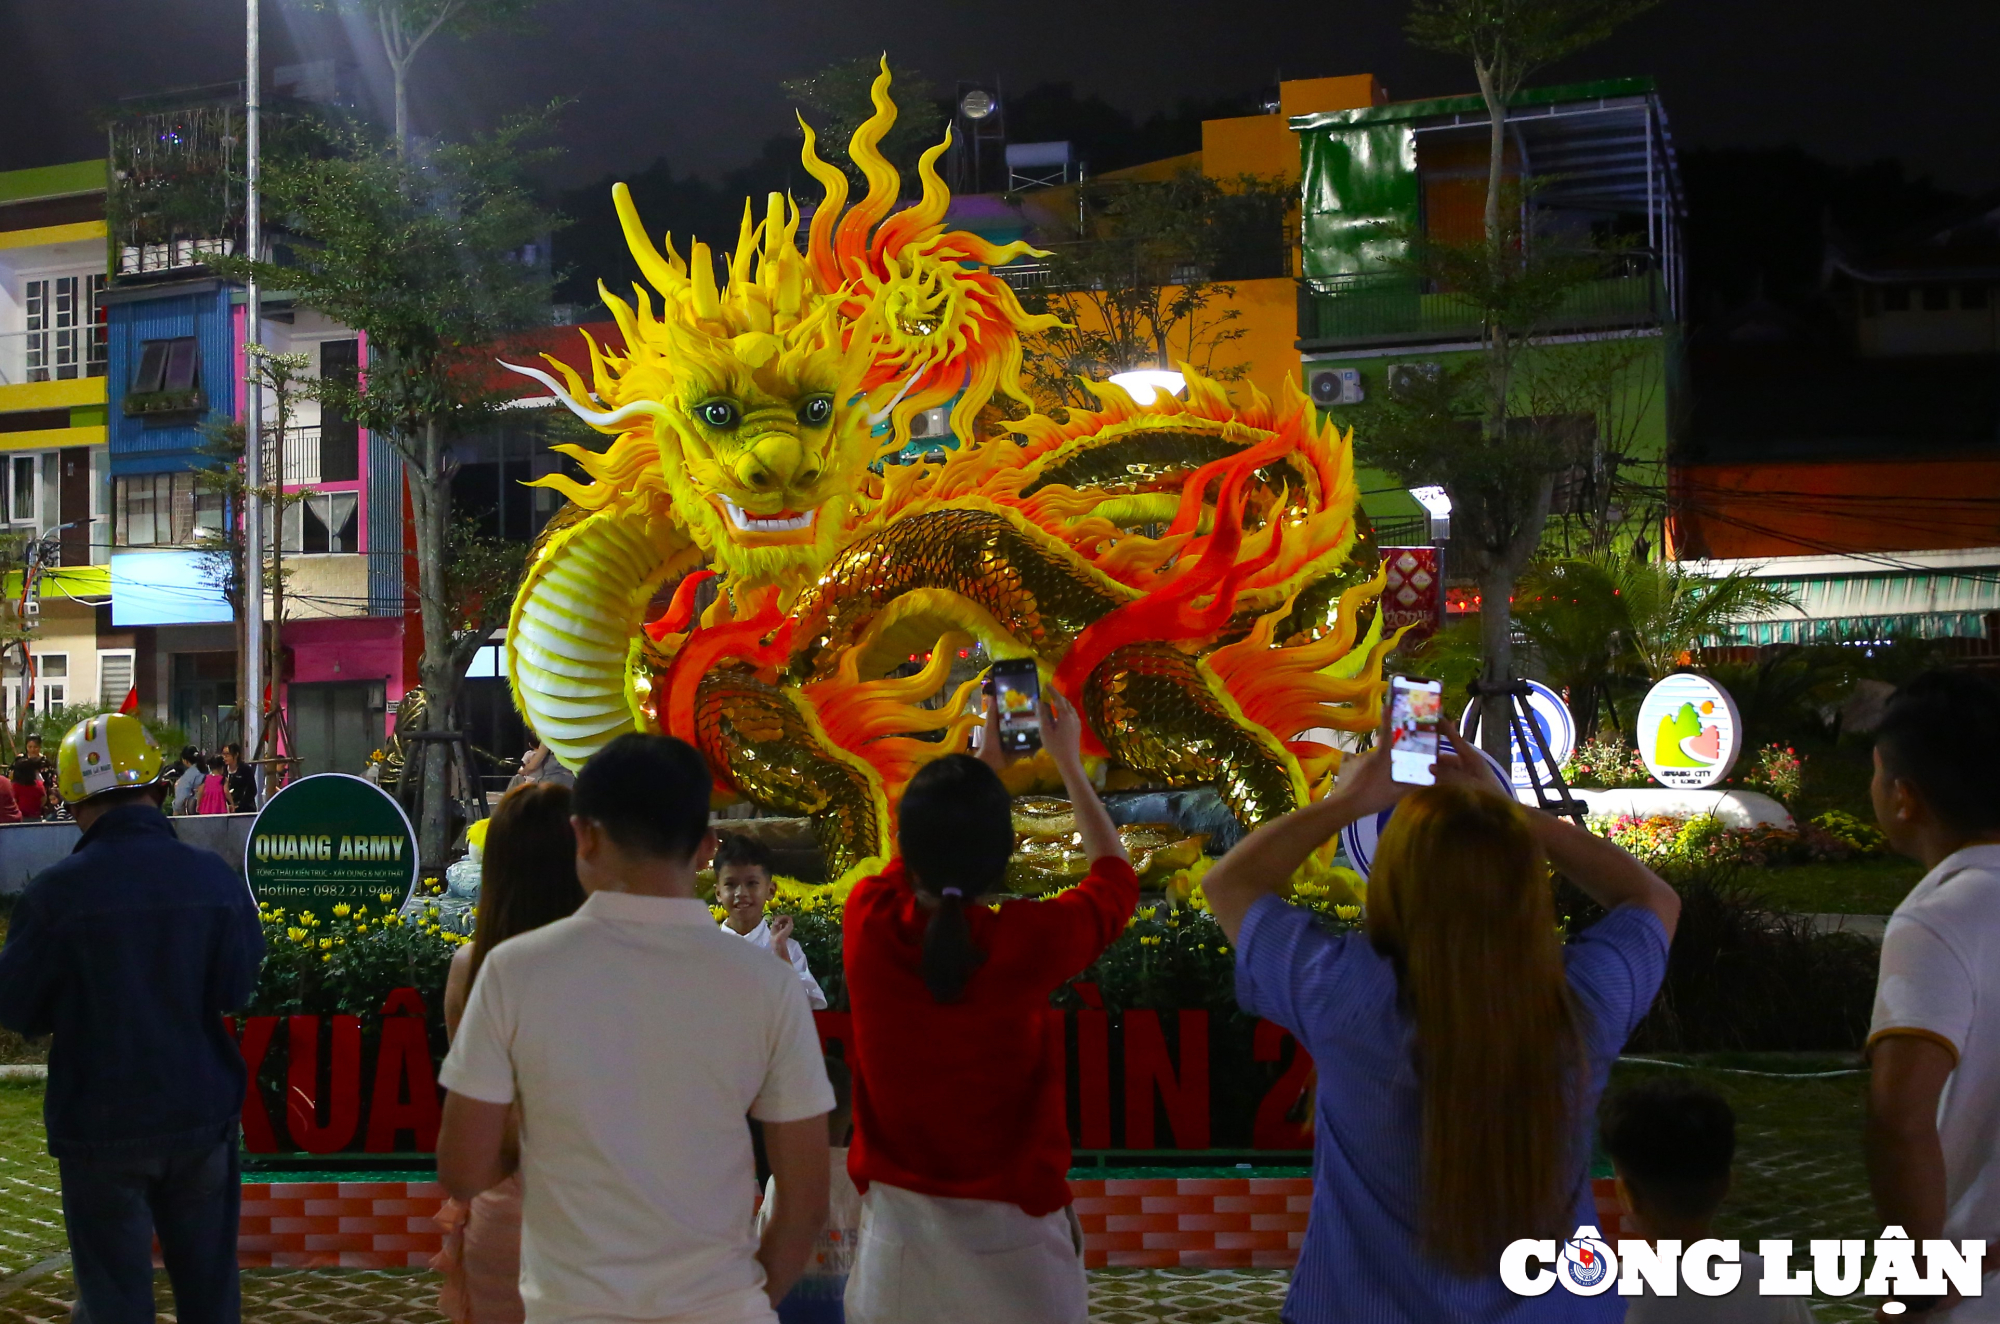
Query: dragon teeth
{"points": [[750, 523]]}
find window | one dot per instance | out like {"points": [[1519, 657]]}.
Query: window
{"points": [[52, 679], [1972, 296], [21, 490], [323, 522], [1937, 298], [164, 510], [182, 360], [97, 329], [66, 328], [114, 677], [339, 439], [167, 365], [1895, 298]]}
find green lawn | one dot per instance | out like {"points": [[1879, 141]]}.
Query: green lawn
{"points": [[1869, 886]]}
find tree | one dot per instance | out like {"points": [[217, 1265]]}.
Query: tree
{"points": [[1592, 619], [422, 254], [405, 26], [1471, 430], [1138, 279], [1507, 41], [836, 101]]}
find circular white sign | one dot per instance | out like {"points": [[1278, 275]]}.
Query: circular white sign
{"points": [[1558, 729], [1359, 837], [1689, 732]]}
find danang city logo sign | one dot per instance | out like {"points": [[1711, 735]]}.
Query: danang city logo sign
{"points": [[1586, 1265], [329, 839]]}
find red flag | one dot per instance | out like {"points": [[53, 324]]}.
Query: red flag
{"points": [[131, 704]]}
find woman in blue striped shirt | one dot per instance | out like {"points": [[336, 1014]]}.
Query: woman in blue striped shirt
{"points": [[1461, 1046]]}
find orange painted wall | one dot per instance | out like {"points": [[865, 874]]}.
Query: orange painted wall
{"points": [[1750, 510]]}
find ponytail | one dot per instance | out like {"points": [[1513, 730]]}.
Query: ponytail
{"points": [[949, 955], [956, 833]]}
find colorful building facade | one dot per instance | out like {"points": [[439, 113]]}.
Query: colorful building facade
{"points": [[54, 356]]}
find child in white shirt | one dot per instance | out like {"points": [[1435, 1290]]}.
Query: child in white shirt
{"points": [[1671, 1143], [743, 887]]}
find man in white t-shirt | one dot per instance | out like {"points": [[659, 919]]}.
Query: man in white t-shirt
{"points": [[634, 1038], [1933, 1136]]}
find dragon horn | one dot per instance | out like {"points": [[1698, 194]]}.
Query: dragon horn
{"points": [[596, 418], [881, 416]]}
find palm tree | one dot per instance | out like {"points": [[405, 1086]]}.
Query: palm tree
{"points": [[1669, 613], [1592, 619]]}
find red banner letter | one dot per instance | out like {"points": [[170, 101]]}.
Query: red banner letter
{"points": [[1274, 1127], [1147, 1070], [258, 1137], [302, 1085], [403, 1062], [1093, 1071]]}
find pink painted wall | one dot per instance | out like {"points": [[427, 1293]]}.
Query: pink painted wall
{"points": [[353, 648]]}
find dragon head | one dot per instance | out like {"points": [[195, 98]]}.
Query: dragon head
{"points": [[738, 401], [749, 404]]}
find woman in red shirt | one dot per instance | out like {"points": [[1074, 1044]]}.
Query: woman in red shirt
{"points": [[961, 1147]]}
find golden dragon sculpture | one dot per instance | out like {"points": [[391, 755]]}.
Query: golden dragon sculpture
{"points": [[1180, 571]]}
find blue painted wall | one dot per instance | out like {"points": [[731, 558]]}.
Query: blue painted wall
{"points": [[142, 446]]}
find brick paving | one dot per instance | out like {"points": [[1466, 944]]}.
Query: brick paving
{"points": [[1798, 1175]]}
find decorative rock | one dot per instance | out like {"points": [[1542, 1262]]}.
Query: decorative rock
{"points": [[1736, 809]]}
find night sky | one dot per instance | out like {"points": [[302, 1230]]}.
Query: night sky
{"points": [[698, 82]]}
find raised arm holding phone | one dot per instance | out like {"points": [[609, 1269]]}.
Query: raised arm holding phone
{"points": [[1461, 1045]]}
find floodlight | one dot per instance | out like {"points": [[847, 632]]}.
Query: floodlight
{"points": [[1143, 383]]}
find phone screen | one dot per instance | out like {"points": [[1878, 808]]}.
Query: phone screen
{"points": [[1016, 689], [1414, 706]]}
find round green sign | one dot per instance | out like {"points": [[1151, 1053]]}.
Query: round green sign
{"points": [[327, 839]]}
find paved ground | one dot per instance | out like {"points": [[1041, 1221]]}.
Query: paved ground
{"points": [[1798, 1175]]}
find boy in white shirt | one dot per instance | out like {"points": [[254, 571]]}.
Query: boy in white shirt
{"points": [[744, 887], [1933, 1138], [1671, 1142], [634, 1039]]}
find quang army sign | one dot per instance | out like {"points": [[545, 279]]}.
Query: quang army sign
{"points": [[328, 839]]}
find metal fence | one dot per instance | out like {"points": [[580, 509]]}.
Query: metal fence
{"points": [[1392, 308]]}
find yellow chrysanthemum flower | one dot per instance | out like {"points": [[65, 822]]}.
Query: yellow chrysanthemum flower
{"points": [[342, 911]]}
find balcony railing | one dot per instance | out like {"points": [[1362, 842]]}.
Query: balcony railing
{"points": [[300, 454], [1393, 308]]}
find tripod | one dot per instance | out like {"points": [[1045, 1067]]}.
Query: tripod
{"points": [[1551, 795], [456, 750]]}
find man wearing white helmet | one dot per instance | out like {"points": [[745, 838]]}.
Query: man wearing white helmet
{"points": [[130, 952]]}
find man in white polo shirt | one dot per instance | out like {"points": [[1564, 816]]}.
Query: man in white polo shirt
{"points": [[1933, 1137], [634, 1037]]}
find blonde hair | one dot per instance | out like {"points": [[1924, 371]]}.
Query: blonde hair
{"points": [[1459, 899]]}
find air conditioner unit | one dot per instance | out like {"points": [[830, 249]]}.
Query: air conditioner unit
{"points": [[927, 423], [1406, 379], [1336, 386]]}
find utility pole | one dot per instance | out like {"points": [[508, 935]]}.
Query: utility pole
{"points": [[250, 704]]}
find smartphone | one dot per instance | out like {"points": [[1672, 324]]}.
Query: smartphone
{"points": [[1017, 690], [1414, 706]]}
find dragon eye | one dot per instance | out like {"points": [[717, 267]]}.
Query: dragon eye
{"points": [[816, 411], [717, 414]]}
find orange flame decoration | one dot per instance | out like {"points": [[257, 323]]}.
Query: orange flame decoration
{"points": [[1311, 530], [940, 320], [877, 718], [1169, 611], [680, 609], [761, 634], [1286, 691]]}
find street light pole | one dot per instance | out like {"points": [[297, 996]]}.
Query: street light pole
{"points": [[250, 704]]}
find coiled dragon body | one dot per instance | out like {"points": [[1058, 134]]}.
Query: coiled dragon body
{"points": [[1180, 570]]}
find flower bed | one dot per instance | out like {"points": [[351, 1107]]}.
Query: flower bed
{"points": [[1663, 841]]}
